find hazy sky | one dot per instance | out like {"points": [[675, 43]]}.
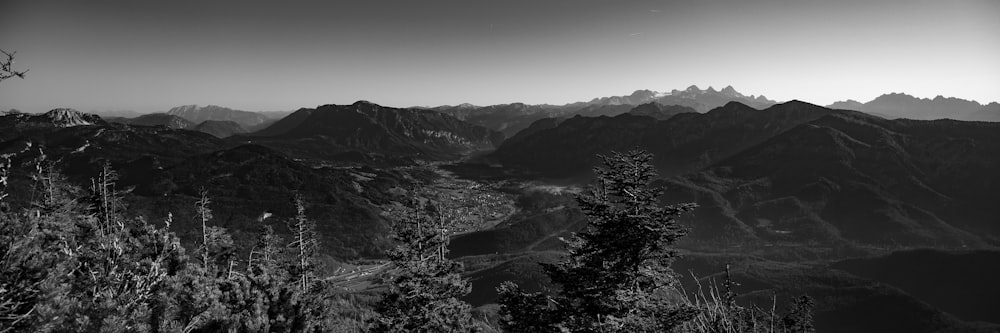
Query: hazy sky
{"points": [[281, 55]]}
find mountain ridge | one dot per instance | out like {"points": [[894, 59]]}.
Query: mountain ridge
{"points": [[369, 128]]}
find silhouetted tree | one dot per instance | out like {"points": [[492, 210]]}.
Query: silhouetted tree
{"points": [[7, 67], [800, 317], [617, 276]]}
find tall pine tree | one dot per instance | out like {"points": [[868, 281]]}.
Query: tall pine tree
{"points": [[617, 276]]}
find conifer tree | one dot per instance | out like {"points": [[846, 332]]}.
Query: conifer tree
{"points": [[264, 258], [74, 271], [800, 317], [35, 253], [617, 276], [305, 244], [424, 285], [272, 301]]}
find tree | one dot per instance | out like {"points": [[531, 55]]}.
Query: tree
{"points": [[70, 266], [7, 67], [617, 276], [36, 253], [424, 285], [305, 245], [800, 317], [204, 214]]}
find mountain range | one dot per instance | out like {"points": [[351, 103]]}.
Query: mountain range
{"points": [[198, 114], [786, 180], [514, 117], [797, 171], [217, 128], [898, 105]]}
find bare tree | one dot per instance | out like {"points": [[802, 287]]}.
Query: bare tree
{"points": [[7, 67]]}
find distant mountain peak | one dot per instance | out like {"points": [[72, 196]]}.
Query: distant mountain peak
{"points": [[198, 114], [849, 104], [692, 89], [643, 95], [902, 105], [731, 92], [734, 104], [796, 102], [65, 117]]}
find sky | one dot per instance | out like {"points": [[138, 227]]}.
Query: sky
{"points": [[149, 56]]}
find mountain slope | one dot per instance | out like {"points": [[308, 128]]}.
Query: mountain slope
{"points": [[248, 180], [685, 142], [157, 119], [373, 130], [506, 118], [797, 172], [219, 128], [962, 283], [660, 111], [989, 112], [16, 124], [198, 114], [857, 178]]}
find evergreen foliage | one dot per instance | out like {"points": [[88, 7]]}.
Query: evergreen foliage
{"points": [[617, 276], [424, 285], [73, 262]]}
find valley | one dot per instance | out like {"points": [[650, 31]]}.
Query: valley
{"points": [[794, 197], [520, 166]]}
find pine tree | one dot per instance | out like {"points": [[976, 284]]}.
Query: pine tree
{"points": [[424, 285], [40, 247], [305, 244], [272, 301], [79, 267], [800, 317], [263, 258], [617, 275], [36, 248]]}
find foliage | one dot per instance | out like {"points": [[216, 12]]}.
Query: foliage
{"points": [[73, 262], [424, 285], [720, 313], [617, 275]]}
